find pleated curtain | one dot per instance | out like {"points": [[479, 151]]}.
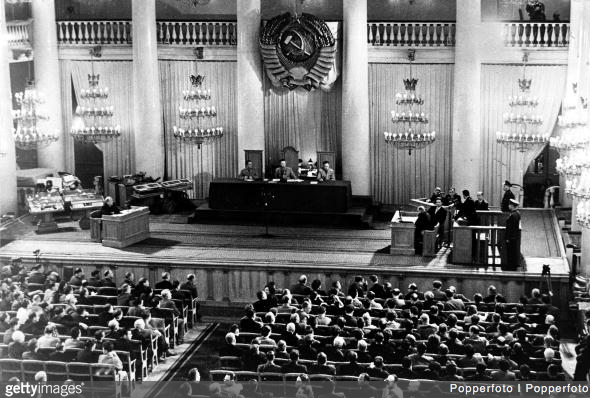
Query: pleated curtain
{"points": [[118, 154], [396, 176], [213, 160], [307, 121], [500, 162]]}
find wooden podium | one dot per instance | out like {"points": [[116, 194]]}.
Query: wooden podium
{"points": [[402, 235], [127, 228]]}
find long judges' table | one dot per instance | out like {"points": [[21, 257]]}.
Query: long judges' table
{"points": [[329, 197]]}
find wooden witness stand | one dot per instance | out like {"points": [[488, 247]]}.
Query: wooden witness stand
{"points": [[122, 230], [402, 235]]}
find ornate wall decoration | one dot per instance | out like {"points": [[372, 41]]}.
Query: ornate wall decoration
{"points": [[297, 51]]}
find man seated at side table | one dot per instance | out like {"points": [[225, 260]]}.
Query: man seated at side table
{"points": [[284, 173], [249, 173], [326, 173], [109, 208]]}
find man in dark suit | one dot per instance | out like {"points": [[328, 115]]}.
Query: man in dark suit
{"points": [[107, 281], [480, 203], [249, 173], [301, 287], [438, 217], [36, 275], [436, 194], [125, 296], [377, 370], [467, 209], [513, 237], [365, 389], [77, 278], [248, 323], [230, 349], [321, 367], [94, 280], [423, 223], [87, 355], [352, 368], [452, 198], [508, 195], [293, 366], [269, 366], [165, 282], [376, 287], [283, 172]]}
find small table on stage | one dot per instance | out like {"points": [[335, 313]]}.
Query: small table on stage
{"points": [[124, 229], [296, 196]]}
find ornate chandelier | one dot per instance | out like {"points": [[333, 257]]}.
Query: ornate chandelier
{"points": [[29, 134], [95, 111], [199, 115], [408, 119], [522, 121]]}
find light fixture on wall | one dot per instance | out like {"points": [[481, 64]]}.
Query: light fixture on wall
{"points": [[95, 112], [408, 119], [522, 122], [30, 133], [199, 115]]}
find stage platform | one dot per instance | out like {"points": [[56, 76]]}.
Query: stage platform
{"points": [[232, 262]]}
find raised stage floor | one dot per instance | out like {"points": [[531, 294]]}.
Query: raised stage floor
{"points": [[232, 262]]}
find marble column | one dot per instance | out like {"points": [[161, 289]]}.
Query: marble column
{"points": [[8, 197], [147, 109], [47, 79], [466, 132], [250, 74], [582, 71], [356, 160]]}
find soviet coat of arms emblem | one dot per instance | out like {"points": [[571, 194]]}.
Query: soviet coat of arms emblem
{"points": [[297, 51]]}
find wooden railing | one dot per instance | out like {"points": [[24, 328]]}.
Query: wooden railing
{"points": [[481, 246], [536, 34], [414, 34], [18, 33], [208, 33]]}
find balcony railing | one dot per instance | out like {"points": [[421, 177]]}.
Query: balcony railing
{"points": [[94, 32], [18, 34], [414, 34], [198, 33], [208, 33], [536, 34]]}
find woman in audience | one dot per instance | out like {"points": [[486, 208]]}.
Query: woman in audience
{"points": [[17, 347]]}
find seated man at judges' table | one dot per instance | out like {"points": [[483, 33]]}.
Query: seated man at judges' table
{"points": [[284, 173], [326, 173], [109, 208], [249, 173]]}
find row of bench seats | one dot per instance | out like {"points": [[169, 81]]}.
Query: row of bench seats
{"points": [[107, 384], [283, 385], [137, 356], [235, 363]]}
